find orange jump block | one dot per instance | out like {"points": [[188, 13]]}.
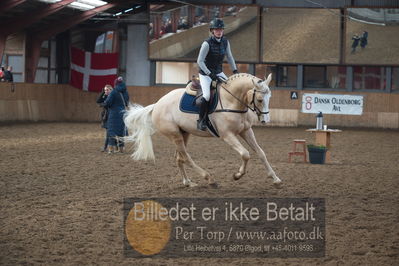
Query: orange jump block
{"points": [[295, 152]]}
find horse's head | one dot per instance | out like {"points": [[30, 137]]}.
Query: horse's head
{"points": [[259, 98]]}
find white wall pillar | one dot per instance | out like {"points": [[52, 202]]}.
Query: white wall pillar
{"points": [[137, 63]]}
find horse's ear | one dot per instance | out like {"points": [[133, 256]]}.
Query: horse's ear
{"points": [[269, 78], [255, 83]]}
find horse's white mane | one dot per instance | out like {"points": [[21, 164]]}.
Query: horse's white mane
{"points": [[241, 76]]}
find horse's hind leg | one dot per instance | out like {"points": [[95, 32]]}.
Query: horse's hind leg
{"points": [[249, 137], [237, 146], [185, 158], [180, 164]]}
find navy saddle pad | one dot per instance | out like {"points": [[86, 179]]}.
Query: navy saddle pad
{"points": [[187, 104]]}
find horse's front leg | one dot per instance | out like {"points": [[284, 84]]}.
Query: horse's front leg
{"points": [[237, 146], [249, 136]]}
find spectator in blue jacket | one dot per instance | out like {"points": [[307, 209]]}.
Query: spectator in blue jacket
{"points": [[355, 43], [116, 103], [363, 39], [8, 77], [104, 113]]}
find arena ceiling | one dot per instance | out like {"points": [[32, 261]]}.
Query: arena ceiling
{"points": [[39, 15]]}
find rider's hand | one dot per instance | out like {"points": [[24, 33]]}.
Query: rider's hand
{"points": [[213, 76]]}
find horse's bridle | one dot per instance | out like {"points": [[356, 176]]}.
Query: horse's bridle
{"points": [[254, 109]]}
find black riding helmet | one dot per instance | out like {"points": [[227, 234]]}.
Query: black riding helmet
{"points": [[216, 23]]}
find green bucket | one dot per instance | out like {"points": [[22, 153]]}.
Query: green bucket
{"points": [[317, 155]]}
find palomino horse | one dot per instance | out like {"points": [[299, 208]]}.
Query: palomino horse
{"points": [[240, 93]]}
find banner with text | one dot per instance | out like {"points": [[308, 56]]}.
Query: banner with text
{"points": [[332, 104], [224, 227]]}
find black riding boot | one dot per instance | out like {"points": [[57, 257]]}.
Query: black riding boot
{"points": [[203, 115]]}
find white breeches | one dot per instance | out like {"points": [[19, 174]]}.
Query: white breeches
{"points": [[206, 84]]}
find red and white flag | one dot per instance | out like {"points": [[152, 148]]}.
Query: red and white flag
{"points": [[92, 71]]}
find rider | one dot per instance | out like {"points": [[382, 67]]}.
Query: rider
{"points": [[210, 61]]}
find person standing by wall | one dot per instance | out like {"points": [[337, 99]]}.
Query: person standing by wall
{"points": [[363, 39], [116, 103], [104, 113], [355, 43], [8, 77]]}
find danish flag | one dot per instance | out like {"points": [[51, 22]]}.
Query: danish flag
{"points": [[92, 71]]}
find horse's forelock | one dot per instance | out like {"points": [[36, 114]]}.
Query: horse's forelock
{"points": [[265, 87]]}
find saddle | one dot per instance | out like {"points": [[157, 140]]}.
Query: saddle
{"points": [[191, 101], [193, 88]]}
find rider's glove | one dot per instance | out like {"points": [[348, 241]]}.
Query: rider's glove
{"points": [[213, 76]]}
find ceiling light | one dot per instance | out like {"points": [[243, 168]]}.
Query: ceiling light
{"points": [[95, 3], [81, 6], [50, 1]]}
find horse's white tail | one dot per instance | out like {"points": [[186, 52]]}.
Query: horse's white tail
{"points": [[140, 128]]}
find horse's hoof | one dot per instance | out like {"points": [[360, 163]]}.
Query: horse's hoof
{"points": [[192, 184], [189, 183], [214, 185], [278, 184], [237, 176]]}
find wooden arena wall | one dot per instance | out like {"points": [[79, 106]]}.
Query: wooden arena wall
{"points": [[52, 102]]}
